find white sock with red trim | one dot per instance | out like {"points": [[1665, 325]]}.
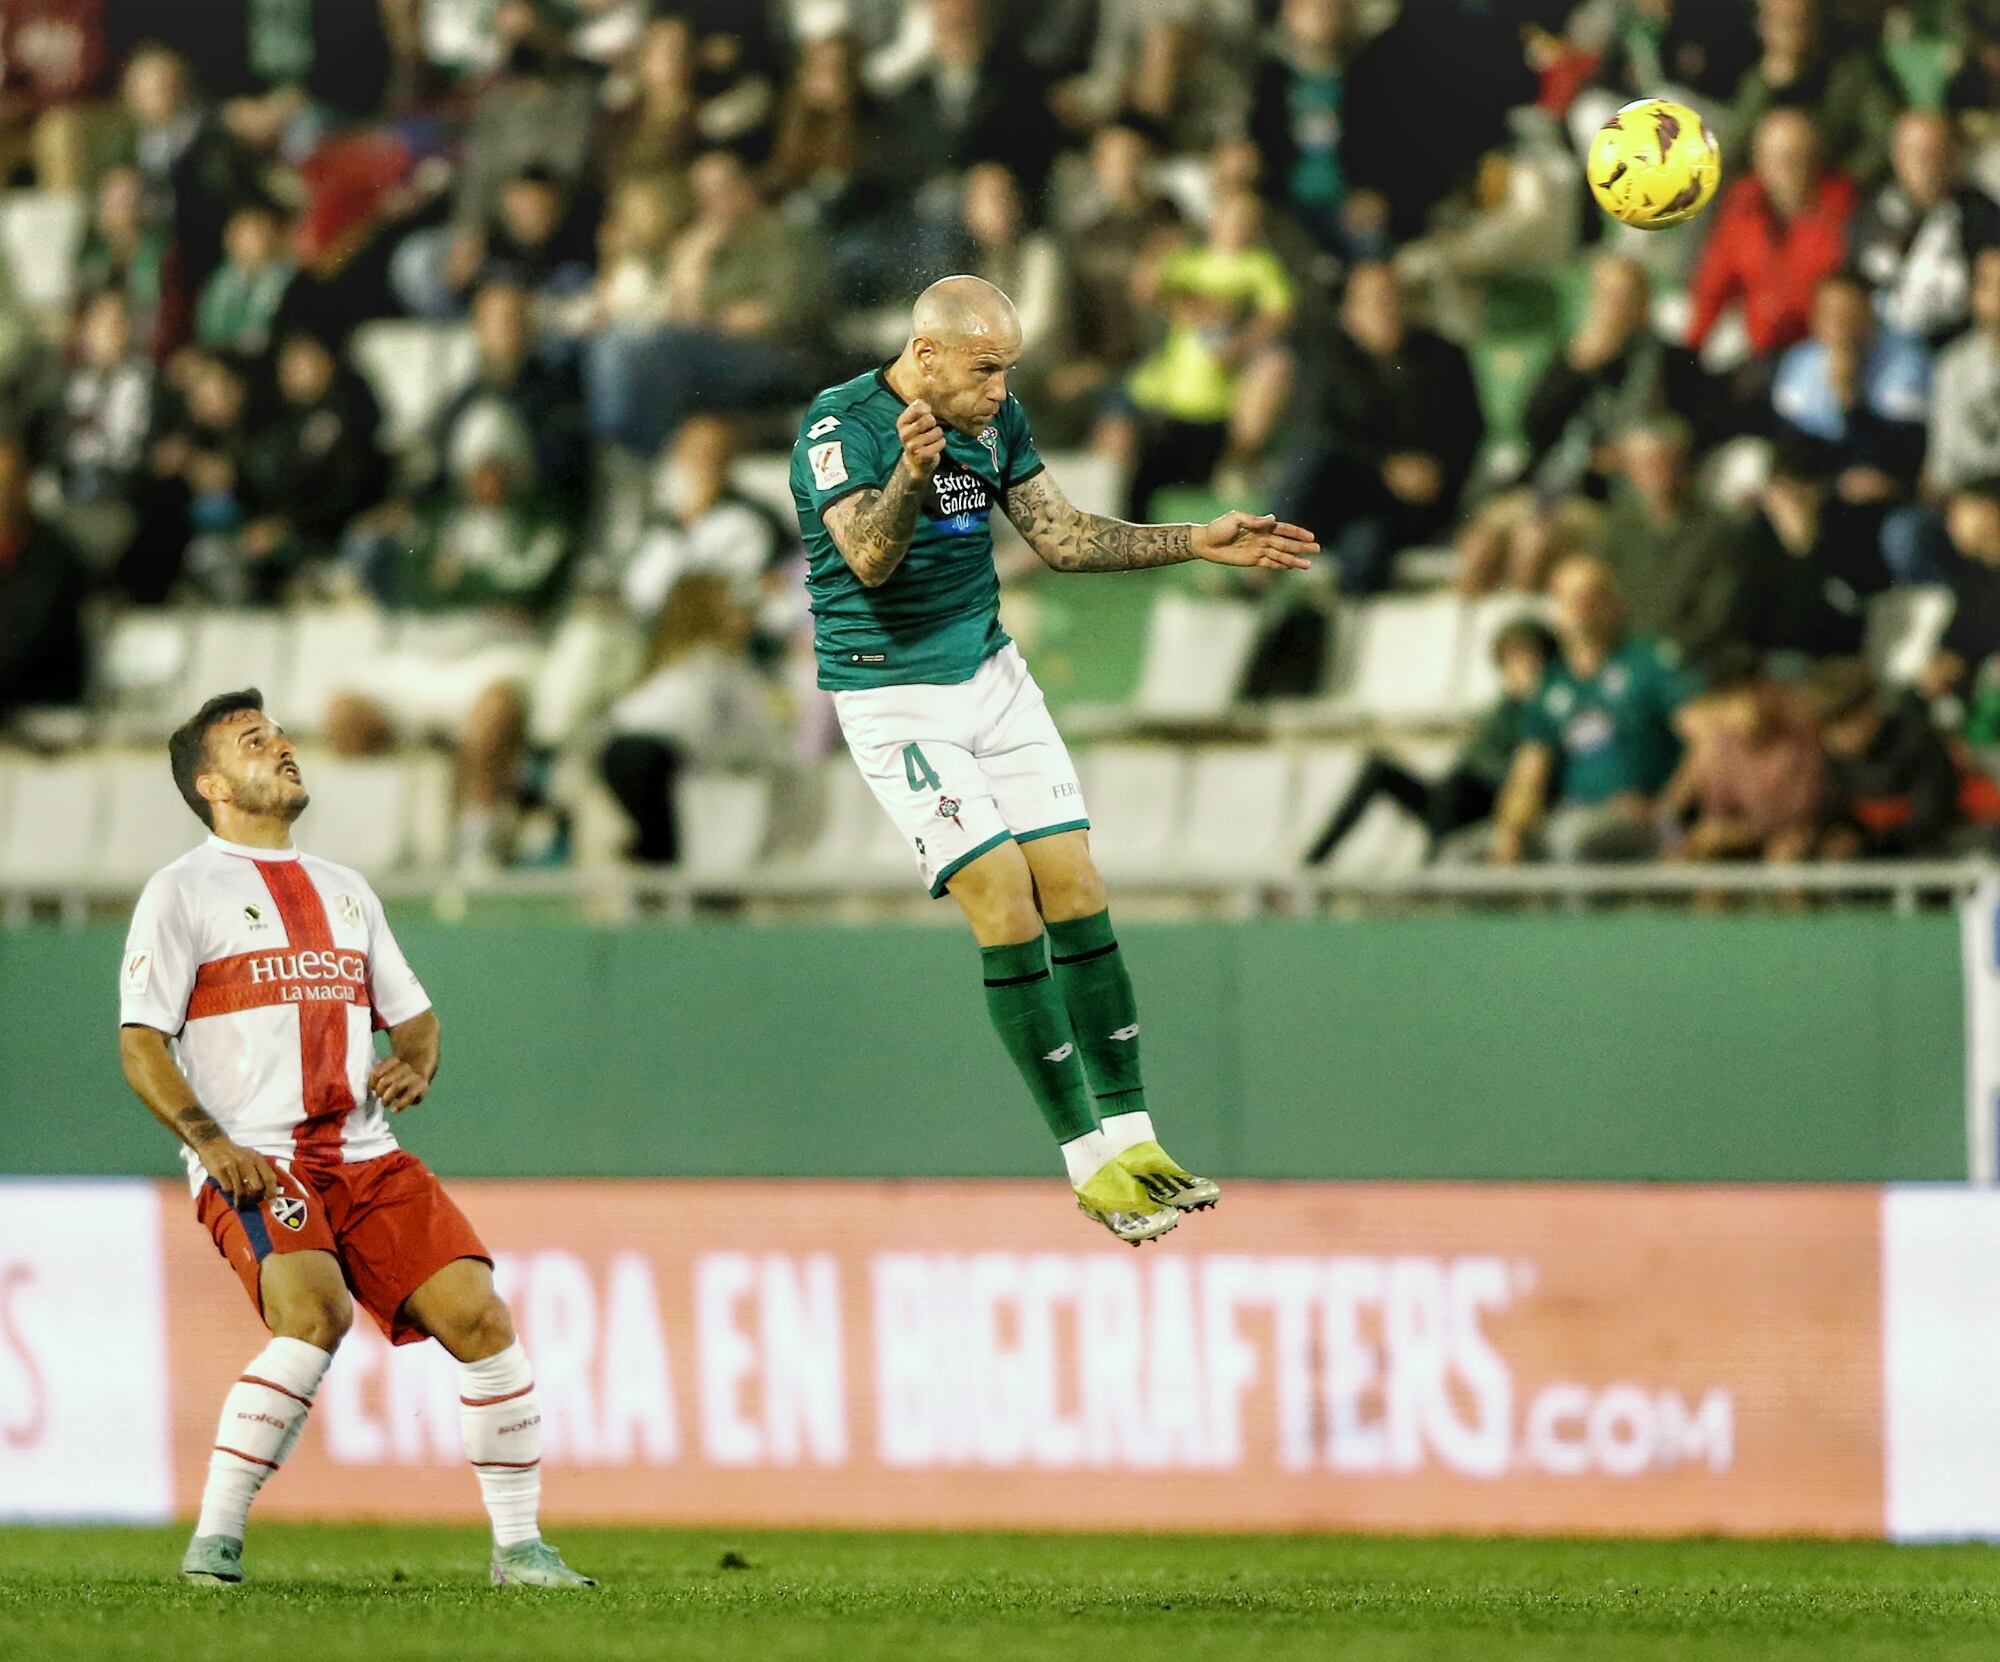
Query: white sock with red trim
{"points": [[502, 1419], [261, 1420]]}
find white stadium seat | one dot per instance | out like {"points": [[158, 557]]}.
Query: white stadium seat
{"points": [[329, 644], [361, 811], [1239, 807], [142, 672], [233, 650], [1389, 842], [1196, 655], [40, 232], [415, 369], [1405, 658], [1325, 775], [57, 825], [1136, 796], [1904, 628], [146, 822], [851, 826], [724, 821]]}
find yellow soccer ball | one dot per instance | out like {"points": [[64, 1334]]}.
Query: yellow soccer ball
{"points": [[1653, 164]]}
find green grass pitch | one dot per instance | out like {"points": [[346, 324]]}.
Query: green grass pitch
{"points": [[381, 1594]]}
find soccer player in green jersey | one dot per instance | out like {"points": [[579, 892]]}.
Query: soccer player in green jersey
{"points": [[896, 474]]}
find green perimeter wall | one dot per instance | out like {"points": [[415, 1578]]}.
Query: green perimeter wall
{"points": [[1620, 1046]]}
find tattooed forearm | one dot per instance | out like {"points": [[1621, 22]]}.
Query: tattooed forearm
{"points": [[1068, 539], [196, 1126], [872, 529]]}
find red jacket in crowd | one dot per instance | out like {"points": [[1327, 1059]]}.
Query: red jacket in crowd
{"points": [[1771, 265]]}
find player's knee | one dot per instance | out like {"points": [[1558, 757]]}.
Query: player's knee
{"points": [[484, 1330], [1077, 893], [320, 1318], [498, 718]]}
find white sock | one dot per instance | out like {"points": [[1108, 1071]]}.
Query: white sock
{"points": [[262, 1417], [1084, 1157], [502, 1420], [1123, 1131]]}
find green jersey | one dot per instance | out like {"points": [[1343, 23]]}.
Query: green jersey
{"points": [[938, 618], [1613, 732]]}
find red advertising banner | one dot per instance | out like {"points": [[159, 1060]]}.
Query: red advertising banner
{"points": [[1308, 1357]]}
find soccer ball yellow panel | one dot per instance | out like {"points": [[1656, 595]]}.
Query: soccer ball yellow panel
{"points": [[1654, 164]]}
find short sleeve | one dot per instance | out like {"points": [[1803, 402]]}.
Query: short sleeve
{"points": [[1024, 461], [393, 987], [840, 454], [156, 975]]}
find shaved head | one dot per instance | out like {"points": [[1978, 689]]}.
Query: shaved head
{"points": [[964, 309], [964, 338]]}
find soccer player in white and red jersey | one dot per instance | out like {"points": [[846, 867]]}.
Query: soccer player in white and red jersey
{"points": [[253, 980]]}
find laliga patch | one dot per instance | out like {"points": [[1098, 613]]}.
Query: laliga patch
{"points": [[288, 1210], [829, 464], [349, 909], [138, 973]]}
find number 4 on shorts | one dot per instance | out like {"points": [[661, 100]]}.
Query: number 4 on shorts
{"points": [[921, 775]]}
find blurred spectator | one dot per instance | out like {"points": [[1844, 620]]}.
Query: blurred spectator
{"points": [[744, 308], [1296, 115], [541, 242], [1601, 743], [635, 258], [1965, 391], [1774, 235], [705, 524], [1613, 372], [97, 440], [1179, 65], [538, 116], [1119, 225], [976, 99], [1469, 790], [1862, 390], [1965, 665], [1216, 384], [1891, 786], [193, 169], [1401, 427], [1026, 264], [42, 588], [827, 169], [1972, 96], [1702, 47], [1915, 240], [651, 131], [1813, 561], [124, 251], [318, 461], [240, 304], [1848, 94], [480, 567], [1513, 541], [53, 67], [1681, 560], [702, 704], [198, 498], [1749, 786], [538, 391]]}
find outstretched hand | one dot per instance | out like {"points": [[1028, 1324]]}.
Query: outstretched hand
{"points": [[1238, 539]]}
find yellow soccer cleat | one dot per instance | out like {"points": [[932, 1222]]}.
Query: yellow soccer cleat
{"points": [[1166, 1181], [1113, 1198]]}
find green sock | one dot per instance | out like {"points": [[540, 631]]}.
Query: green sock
{"points": [[1028, 1015], [1103, 1013]]}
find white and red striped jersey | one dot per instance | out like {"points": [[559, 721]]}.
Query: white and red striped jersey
{"points": [[269, 970]]}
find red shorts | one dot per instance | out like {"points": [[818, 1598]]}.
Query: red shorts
{"points": [[388, 1222]]}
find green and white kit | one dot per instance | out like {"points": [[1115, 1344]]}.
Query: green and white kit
{"points": [[936, 703]]}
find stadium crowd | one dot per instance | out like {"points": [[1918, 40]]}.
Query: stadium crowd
{"points": [[1332, 255]]}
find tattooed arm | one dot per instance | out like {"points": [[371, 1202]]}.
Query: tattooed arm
{"points": [[1068, 539], [872, 528], [150, 1069]]}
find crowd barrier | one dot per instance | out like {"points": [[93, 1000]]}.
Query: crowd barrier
{"points": [[1554, 1358]]}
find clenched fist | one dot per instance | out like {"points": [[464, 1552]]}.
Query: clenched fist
{"points": [[922, 436]]}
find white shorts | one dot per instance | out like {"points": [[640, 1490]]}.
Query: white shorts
{"points": [[961, 769]]}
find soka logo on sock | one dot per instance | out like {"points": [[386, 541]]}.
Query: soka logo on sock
{"points": [[290, 1211], [1061, 1055], [1124, 1033]]}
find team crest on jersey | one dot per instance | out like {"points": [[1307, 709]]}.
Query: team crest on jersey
{"points": [[349, 909], [991, 439], [290, 1211], [948, 807]]}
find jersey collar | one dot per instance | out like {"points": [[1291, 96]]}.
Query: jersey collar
{"points": [[243, 851]]}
